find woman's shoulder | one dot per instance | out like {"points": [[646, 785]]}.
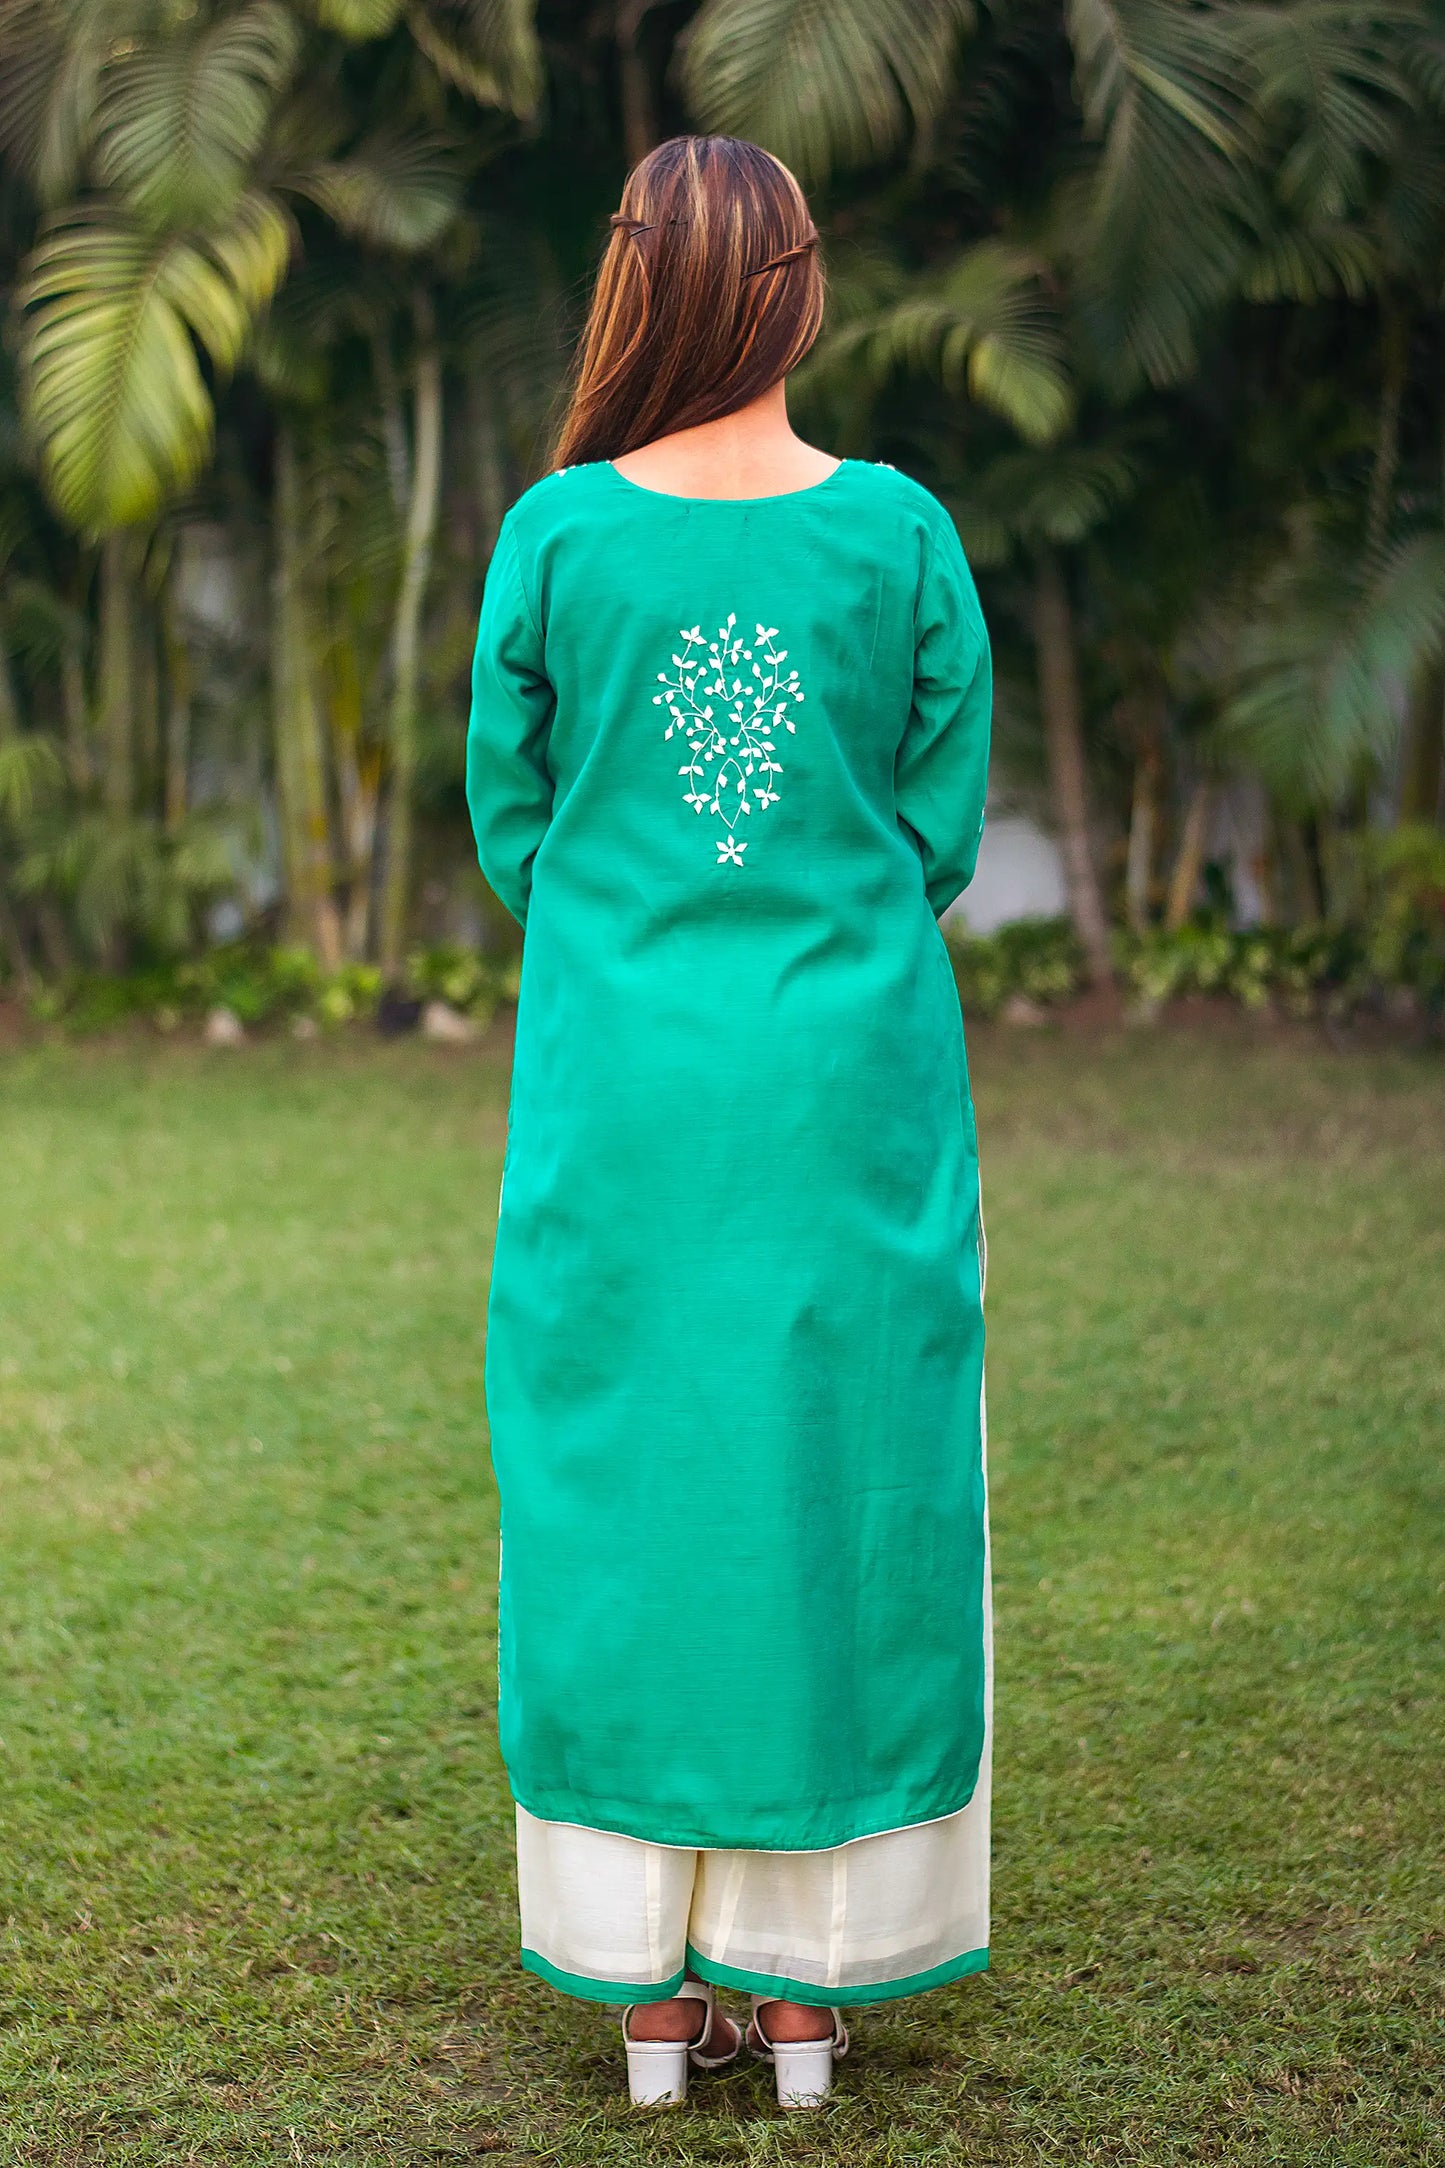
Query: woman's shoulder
{"points": [[548, 497], [893, 487]]}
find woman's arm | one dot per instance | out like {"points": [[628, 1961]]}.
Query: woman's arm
{"points": [[941, 772], [509, 783]]}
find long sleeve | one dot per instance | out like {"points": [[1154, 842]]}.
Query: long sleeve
{"points": [[509, 786], [941, 772]]}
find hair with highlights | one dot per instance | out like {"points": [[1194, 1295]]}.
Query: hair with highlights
{"points": [[709, 292]]}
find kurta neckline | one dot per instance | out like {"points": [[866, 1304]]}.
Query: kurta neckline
{"points": [[776, 496]]}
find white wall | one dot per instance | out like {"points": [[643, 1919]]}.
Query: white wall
{"points": [[1020, 875]]}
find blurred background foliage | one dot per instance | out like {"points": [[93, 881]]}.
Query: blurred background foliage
{"points": [[1149, 291]]}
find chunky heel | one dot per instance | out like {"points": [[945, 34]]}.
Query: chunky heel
{"points": [[804, 2071], [657, 2072], [803, 2068]]}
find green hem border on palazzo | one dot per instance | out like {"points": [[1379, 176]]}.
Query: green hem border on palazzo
{"points": [[778, 1985], [578, 1983]]}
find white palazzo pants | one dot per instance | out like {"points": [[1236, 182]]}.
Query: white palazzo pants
{"points": [[615, 1919]]}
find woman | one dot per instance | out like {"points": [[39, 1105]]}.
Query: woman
{"points": [[726, 764]]}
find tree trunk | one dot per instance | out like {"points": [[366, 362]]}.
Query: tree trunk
{"points": [[1423, 767], [300, 756], [1062, 703], [1143, 822], [1190, 862], [490, 475], [179, 693], [1322, 835], [357, 780], [421, 523], [74, 708], [55, 941], [393, 420], [9, 701], [1307, 893], [1394, 370], [14, 946], [10, 937], [116, 672], [147, 769], [639, 119]]}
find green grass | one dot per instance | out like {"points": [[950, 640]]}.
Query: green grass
{"points": [[255, 1883]]}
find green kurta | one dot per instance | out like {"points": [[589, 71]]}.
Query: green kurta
{"points": [[727, 763]]}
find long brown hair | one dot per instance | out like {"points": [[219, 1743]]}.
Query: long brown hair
{"points": [[710, 291]]}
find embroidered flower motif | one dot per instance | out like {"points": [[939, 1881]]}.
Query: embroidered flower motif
{"points": [[732, 765]]}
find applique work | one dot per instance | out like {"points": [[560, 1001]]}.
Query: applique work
{"points": [[729, 699]]}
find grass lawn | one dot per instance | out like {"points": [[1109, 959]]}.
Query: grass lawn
{"points": [[255, 1877]]}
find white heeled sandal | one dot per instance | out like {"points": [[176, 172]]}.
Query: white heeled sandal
{"points": [[657, 2069], [804, 2068]]}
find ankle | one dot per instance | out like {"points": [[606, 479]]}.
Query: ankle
{"points": [[789, 2021], [682, 2018]]}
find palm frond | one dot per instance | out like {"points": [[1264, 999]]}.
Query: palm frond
{"points": [[1423, 59], [823, 83], [985, 535], [114, 395], [180, 120], [1324, 668], [129, 872], [1409, 211], [399, 192], [358, 20], [353, 528], [52, 59], [488, 48], [40, 624], [1322, 73], [982, 326], [1163, 92], [1057, 496], [294, 350], [31, 768], [1294, 264]]}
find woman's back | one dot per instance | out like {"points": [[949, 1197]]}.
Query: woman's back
{"points": [[727, 762], [726, 688]]}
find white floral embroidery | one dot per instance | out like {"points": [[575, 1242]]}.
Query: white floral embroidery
{"points": [[730, 701]]}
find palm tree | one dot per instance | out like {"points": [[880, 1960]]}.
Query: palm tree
{"points": [[203, 144]]}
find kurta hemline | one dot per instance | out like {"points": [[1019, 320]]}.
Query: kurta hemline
{"points": [[808, 1991], [615, 1821]]}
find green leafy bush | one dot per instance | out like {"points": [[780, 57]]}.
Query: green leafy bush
{"points": [[464, 979], [269, 987], [1326, 970], [1306, 970], [1038, 959], [1407, 916]]}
